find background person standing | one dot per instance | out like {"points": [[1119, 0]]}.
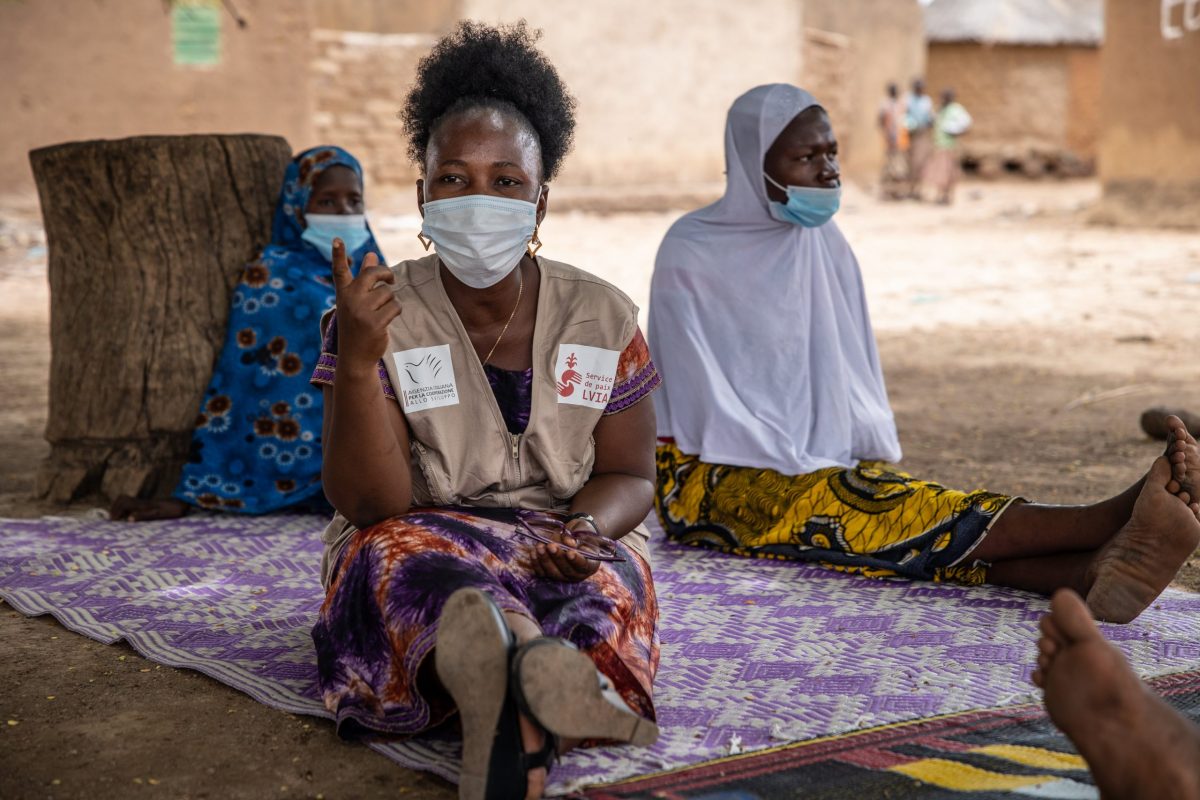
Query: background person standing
{"points": [[918, 120], [944, 167], [895, 142]]}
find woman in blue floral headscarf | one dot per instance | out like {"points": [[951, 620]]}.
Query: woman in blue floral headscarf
{"points": [[257, 443]]}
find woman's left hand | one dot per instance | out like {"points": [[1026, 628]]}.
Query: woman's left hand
{"points": [[560, 564]]}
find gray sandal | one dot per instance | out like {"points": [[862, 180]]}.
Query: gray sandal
{"points": [[560, 688], [472, 656]]}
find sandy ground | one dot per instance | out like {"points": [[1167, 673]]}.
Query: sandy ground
{"points": [[1020, 344]]}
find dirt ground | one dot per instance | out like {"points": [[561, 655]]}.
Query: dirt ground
{"points": [[1020, 345]]}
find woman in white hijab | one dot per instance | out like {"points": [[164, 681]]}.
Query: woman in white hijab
{"points": [[775, 433]]}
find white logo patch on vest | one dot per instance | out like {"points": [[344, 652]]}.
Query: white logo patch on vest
{"points": [[426, 378], [583, 376]]}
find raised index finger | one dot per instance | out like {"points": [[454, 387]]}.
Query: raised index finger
{"points": [[341, 266]]}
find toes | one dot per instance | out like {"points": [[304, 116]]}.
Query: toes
{"points": [[1072, 617], [1052, 640], [1173, 486], [1160, 472], [1038, 678], [1050, 632], [1182, 433], [1045, 659]]}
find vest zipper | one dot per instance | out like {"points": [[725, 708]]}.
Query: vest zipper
{"points": [[516, 454]]}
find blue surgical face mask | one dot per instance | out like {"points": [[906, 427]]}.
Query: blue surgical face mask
{"points": [[805, 206], [322, 229]]}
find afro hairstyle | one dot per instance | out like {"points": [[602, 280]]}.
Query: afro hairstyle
{"points": [[480, 66]]}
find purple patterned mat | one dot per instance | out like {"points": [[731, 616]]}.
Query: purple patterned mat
{"points": [[755, 653]]}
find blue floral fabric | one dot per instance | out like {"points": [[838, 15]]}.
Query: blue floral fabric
{"points": [[257, 443]]}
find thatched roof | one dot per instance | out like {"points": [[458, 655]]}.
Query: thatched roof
{"points": [[1028, 22]]}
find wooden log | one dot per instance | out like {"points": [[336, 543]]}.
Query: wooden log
{"points": [[146, 240]]}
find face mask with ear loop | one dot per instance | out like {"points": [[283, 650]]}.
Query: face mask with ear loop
{"points": [[321, 229], [480, 238], [806, 206]]}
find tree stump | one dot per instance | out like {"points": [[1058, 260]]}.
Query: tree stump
{"points": [[147, 238]]}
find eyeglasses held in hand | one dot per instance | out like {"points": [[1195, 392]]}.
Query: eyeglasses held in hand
{"points": [[547, 528]]}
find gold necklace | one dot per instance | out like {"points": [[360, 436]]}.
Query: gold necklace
{"points": [[504, 330]]}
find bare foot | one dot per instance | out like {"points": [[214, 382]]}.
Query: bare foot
{"points": [[1137, 564], [1136, 745], [134, 509], [1184, 455], [1154, 421]]}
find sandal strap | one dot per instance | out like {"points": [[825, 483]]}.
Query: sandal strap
{"points": [[507, 776], [545, 757], [548, 754], [502, 780]]}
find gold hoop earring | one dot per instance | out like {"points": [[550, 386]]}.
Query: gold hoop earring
{"points": [[535, 244], [425, 240]]}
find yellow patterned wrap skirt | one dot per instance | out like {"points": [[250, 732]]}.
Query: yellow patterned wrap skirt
{"points": [[872, 520]]}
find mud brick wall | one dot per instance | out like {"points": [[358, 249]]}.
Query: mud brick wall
{"points": [[1027, 101], [89, 69], [359, 84], [1150, 136]]}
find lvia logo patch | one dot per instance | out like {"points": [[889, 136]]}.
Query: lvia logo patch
{"points": [[584, 375]]}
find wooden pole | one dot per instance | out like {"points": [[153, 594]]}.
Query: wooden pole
{"points": [[146, 240]]}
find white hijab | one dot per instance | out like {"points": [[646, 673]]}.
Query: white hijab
{"points": [[760, 328]]}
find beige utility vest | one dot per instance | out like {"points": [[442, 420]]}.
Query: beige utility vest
{"points": [[462, 451]]}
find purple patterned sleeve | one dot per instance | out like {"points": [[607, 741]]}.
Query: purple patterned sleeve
{"points": [[637, 376], [326, 370]]}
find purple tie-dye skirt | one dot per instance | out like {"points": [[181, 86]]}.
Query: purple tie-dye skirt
{"points": [[379, 621]]}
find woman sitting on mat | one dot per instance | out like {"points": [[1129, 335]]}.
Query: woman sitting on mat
{"points": [[775, 428], [257, 443], [488, 450]]}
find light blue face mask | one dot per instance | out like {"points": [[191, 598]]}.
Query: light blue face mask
{"points": [[322, 229], [805, 206], [479, 238]]}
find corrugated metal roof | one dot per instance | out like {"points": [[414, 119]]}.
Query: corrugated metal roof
{"points": [[1028, 22]]}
